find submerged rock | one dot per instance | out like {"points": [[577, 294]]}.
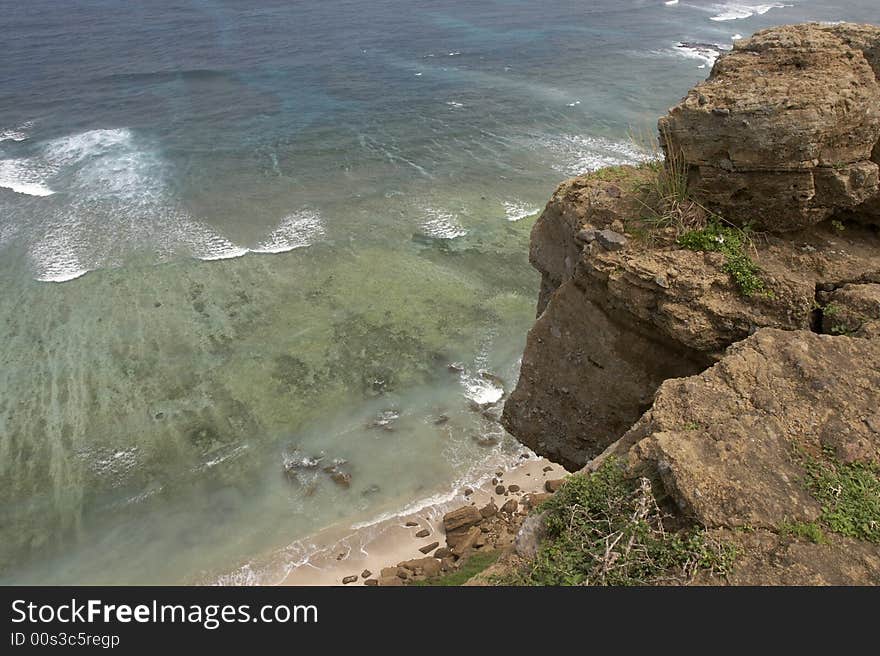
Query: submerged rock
{"points": [[385, 420]]}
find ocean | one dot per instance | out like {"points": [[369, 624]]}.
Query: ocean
{"points": [[242, 243]]}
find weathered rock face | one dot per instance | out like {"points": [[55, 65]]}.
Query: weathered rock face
{"points": [[724, 443], [765, 558], [784, 132], [614, 324], [727, 447], [852, 310], [722, 394]]}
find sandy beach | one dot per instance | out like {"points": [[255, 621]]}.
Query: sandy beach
{"points": [[370, 548]]}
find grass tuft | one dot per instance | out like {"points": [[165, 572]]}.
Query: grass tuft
{"points": [[850, 498], [477, 563], [605, 529], [733, 243], [804, 530]]}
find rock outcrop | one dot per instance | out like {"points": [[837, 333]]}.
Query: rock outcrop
{"points": [[623, 306], [729, 449], [784, 133]]}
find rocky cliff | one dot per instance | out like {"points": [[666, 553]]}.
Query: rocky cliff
{"points": [[711, 323], [764, 215]]}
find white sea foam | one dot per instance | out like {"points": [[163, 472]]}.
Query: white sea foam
{"points": [[516, 210], [735, 11], [221, 457], [707, 53], [579, 153], [24, 177], [205, 243], [670, 3], [93, 143], [439, 224], [56, 255], [295, 231], [20, 133], [118, 199], [480, 391]]}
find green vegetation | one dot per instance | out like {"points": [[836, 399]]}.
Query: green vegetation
{"points": [[732, 243], [850, 498], [838, 225], [471, 567], [605, 529], [804, 530], [848, 321]]}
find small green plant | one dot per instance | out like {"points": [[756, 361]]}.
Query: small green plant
{"points": [[804, 530], [666, 198], [471, 567], [838, 225], [731, 242], [605, 529], [850, 498]]}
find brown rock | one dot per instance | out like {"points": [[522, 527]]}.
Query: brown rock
{"points": [[443, 552], [461, 518], [428, 548], [852, 309], [458, 524], [488, 510], [536, 499], [721, 443], [422, 566], [350, 579], [371, 582], [509, 506], [389, 581], [513, 488], [553, 484], [423, 533], [781, 134], [411, 524], [500, 489], [342, 479], [716, 392], [610, 326], [466, 541], [366, 574], [388, 572]]}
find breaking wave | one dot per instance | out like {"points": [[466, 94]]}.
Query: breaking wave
{"points": [[114, 196]]}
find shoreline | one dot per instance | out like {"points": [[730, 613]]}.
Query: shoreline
{"points": [[372, 547]]}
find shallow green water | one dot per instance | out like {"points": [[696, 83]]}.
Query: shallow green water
{"points": [[152, 408]]}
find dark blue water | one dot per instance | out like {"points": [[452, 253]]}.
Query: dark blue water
{"points": [[233, 234]]}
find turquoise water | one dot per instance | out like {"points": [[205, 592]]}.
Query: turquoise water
{"points": [[238, 241]]}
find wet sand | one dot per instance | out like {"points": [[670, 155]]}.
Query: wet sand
{"points": [[389, 542]]}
